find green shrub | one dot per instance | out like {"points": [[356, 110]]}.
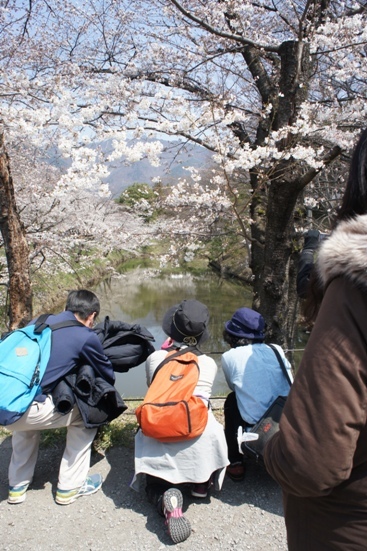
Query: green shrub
{"points": [[142, 199]]}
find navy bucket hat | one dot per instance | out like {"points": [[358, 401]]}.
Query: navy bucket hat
{"points": [[187, 322], [246, 323]]}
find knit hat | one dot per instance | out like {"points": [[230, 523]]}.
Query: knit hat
{"points": [[187, 322], [246, 323]]}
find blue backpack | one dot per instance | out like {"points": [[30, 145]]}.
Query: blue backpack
{"points": [[24, 355]]}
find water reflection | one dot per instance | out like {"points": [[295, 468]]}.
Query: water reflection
{"points": [[141, 296]]}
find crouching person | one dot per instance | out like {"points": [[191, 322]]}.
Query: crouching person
{"points": [[198, 462], [72, 346], [254, 375]]}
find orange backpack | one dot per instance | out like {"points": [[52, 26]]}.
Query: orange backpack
{"points": [[170, 412]]}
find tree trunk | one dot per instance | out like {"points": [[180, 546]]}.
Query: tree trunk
{"points": [[16, 247], [273, 204], [258, 215], [276, 292]]}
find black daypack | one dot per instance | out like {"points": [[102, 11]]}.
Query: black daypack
{"points": [[125, 345]]}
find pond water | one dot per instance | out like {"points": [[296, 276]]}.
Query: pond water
{"points": [[141, 296]]}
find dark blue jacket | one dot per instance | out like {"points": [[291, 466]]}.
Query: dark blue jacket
{"points": [[71, 347], [98, 401]]}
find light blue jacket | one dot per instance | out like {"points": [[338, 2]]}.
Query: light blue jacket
{"points": [[254, 373]]}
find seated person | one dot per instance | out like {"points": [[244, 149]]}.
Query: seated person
{"points": [[252, 371], [199, 462]]}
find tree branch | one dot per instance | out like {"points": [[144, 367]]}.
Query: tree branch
{"points": [[310, 174], [212, 30]]}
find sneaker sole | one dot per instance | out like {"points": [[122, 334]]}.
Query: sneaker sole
{"points": [[196, 494], [237, 475], [236, 478], [67, 501], [179, 528], [16, 500], [18, 497]]}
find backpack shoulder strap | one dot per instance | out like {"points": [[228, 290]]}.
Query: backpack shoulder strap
{"points": [[281, 363], [172, 356], [67, 323], [40, 324]]}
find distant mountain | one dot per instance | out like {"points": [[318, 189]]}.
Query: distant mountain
{"points": [[173, 161]]}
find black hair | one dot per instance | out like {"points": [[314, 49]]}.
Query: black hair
{"points": [[82, 302], [234, 342], [354, 203]]}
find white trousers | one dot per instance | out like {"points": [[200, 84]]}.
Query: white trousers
{"points": [[75, 461]]}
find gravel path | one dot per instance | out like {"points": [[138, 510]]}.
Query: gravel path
{"points": [[246, 515]]}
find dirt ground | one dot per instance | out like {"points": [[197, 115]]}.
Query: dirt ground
{"points": [[246, 515]]}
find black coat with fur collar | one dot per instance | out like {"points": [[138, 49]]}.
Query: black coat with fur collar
{"points": [[319, 456]]}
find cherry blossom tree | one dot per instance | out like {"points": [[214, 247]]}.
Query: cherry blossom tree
{"points": [[50, 107], [275, 89], [15, 245]]}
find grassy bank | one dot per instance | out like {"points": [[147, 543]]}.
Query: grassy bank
{"points": [[120, 432], [50, 287], [49, 291]]}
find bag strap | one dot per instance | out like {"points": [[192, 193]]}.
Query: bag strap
{"points": [[281, 363], [68, 323], [40, 324], [170, 357], [106, 325]]}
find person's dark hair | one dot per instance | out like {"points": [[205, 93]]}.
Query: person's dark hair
{"points": [[83, 303], [354, 203], [234, 342]]}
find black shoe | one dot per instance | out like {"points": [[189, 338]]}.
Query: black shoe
{"points": [[236, 471]]}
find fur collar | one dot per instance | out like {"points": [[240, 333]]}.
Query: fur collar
{"points": [[344, 253]]}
